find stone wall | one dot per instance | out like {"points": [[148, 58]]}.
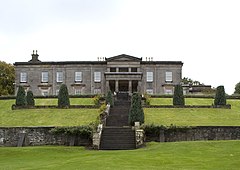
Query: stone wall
{"points": [[196, 133], [35, 136]]}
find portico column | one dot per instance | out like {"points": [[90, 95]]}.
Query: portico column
{"points": [[116, 85], [107, 86], [130, 86]]}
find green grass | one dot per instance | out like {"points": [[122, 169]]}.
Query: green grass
{"points": [[220, 155], [45, 117], [188, 101], [194, 117], [73, 101]]}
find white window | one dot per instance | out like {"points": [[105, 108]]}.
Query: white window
{"points": [[57, 92], [149, 76], [59, 76], [78, 76], [23, 77], [45, 92], [97, 91], [45, 77], [77, 91], [97, 76], [149, 91], [168, 76], [168, 91]]}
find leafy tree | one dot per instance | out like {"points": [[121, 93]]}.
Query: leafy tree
{"points": [[136, 113], [21, 97], [109, 98], [220, 97], [63, 97], [7, 78], [178, 98], [237, 88], [30, 99]]}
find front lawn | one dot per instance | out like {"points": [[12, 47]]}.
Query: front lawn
{"points": [[205, 155], [194, 116], [45, 117]]}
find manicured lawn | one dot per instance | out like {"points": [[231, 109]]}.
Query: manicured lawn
{"points": [[73, 101], [45, 117], [205, 155], [194, 117], [188, 101]]}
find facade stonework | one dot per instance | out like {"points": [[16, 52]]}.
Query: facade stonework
{"points": [[122, 73]]}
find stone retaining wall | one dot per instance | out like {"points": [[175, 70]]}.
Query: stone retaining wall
{"points": [[196, 133], [35, 136]]}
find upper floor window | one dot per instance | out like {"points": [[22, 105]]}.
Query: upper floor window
{"points": [[149, 76], [59, 76], [113, 69], [168, 76], [45, 77], [97, 76], [123, 69], [23, 77], [134, 69], [78, 76]]}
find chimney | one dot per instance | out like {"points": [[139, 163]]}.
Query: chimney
{"points": [[35, 57]]}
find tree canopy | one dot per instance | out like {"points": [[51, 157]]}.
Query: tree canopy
{"points": [[237, 88], [7, 78]]}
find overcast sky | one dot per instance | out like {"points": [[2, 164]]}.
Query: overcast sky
{"points": [[203, 34]]}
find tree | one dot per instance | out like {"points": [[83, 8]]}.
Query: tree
{"points": [[30, 99], [136, 113], [21, 97], [109, 98], [178, 98], [7, 78], [63, 97], [220, 97], [237, 88]]}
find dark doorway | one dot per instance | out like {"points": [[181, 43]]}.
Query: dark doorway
{"points": [[134, 86], [112, 85], [123, 85]]}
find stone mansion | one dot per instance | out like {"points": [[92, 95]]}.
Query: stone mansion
{"points": [[122, 73]]}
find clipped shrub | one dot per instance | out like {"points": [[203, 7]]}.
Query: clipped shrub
{"points": [[178, 98], [220, 97], [102, 108], [136, 113], [21, 97], [96, 99], [30, 99], [82, 131], [63, 97], [109, 99], [147, 99]]}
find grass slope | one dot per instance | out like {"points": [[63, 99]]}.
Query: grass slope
{"points": [[193, 117], [182, 155], [46, 117]]}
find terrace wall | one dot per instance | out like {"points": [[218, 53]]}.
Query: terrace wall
{"points": [[36, 136], [196, 133]]}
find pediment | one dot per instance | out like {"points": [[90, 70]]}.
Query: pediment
{"points": [[123, 57]]}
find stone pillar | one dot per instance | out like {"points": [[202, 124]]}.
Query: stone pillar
{"points": [[161, 136], [130, 86], [116, 85], [107, 86]]}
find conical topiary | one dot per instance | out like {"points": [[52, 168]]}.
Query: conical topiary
{"points": [[136, 113], [21, 97], [63, 97], [178, 98], [220, 97], [30, 99]]}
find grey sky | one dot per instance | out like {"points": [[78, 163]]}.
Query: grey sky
{"points": [[204, 34]]}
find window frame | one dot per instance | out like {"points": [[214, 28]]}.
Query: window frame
{"points": [[78, 78], [169, 76], [45, 77], [59, 77], [97, 77], [149, 76], [23, 77]]}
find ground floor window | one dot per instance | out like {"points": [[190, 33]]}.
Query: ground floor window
{"points": [[149, 91], [97, 91]]}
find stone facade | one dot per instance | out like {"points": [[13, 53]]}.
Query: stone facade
{"points": [[122, 73]]}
